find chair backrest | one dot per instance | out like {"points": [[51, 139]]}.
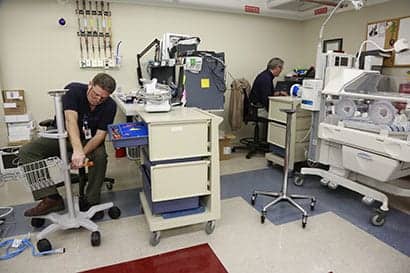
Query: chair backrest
{"points": [[250, 110], [48, 124]]}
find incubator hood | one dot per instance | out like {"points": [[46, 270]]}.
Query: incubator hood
{"points": [[365, 84]]}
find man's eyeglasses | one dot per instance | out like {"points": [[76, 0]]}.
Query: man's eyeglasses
{"points": [[96, 94]]}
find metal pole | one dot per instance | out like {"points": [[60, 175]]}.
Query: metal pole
{"points": [[58, 105], [289, 114]]}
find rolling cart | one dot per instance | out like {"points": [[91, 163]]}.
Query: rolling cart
{"points": [[182, 167]]}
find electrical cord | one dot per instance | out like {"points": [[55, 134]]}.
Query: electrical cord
{"points": [[221, 86], [222, 62], [20, 245]]}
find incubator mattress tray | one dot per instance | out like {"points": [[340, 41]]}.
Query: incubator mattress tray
{"points": [[385, 145]]}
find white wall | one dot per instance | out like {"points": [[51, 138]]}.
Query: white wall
{"points": [[37, 54], [352, 27]]}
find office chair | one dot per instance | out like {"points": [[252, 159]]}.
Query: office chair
{"points": [[82, 176], [253, 144]]}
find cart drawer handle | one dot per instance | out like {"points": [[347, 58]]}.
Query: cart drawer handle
{"points": [[364, 156]]}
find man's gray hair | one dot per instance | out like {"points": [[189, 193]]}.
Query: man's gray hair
{"points": [[275, 62]]}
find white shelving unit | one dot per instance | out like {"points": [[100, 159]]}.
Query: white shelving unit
{"points": [[183, 133]]}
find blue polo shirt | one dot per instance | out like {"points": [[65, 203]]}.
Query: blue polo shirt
{"points": [[262, 88], [76, 99]]}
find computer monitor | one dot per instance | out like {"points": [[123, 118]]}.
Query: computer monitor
{"points": [[284, 86], [164, 74]]}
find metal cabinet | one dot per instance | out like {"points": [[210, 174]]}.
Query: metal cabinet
{"points": [[183, 145], [301, 121]]}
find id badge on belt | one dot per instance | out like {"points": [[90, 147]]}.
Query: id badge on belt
{"points": [[86, 129]]}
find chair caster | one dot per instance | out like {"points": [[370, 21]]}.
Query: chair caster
{"points": [[253, 199], [37, 222], [304, 221], [312, 204], [298, 180], [155, 238], [114, 212], [263, 217], [44, 245], [95, 238], [378, 219], [109, 186], [210, 227]]}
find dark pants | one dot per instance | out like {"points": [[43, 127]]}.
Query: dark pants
{"points": [[43, 148]]}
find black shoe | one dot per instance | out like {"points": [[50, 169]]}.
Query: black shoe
{"points": [[98, 216], [83, 203]]}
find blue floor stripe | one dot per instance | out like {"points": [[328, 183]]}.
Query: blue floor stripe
{"points": [[343, 202]]}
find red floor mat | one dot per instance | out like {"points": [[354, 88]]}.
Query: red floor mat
{"points": [[196, 259]]}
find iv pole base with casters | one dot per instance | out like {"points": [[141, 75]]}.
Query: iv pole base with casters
{"points": [[283, 194], [74, 218]]}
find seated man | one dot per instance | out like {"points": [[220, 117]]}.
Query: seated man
{"points": [[263, 87], [88, 109]]}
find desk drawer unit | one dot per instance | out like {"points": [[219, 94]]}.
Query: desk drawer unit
{"points": [[178, 140]]}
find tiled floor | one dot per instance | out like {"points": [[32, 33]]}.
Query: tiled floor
{"points": [[328, 244]]}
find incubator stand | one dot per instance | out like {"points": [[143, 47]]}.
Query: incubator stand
{"points": [[364, 136]]}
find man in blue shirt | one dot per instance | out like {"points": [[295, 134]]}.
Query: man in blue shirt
{"points": [[88, 109], [263, 87]]}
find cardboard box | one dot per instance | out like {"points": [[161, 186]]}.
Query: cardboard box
{"points": [[14, 102], [17, 118], [225, 147], [21, 131]]}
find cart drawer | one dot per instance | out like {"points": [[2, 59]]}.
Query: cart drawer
{"points": [[178, 140], [275, 113], [179, 180], [166, 206], [277, 134]]}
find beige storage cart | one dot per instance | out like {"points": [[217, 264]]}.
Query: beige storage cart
{"points": [[183, 133], [301, 121]]}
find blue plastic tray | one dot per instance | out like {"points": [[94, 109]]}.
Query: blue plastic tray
{"points": [[128, 134], [184, 212]]}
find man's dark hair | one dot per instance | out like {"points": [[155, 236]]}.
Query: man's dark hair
{"points": [[104, 81], [274, 62]]}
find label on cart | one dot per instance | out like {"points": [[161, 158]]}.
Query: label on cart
{"points": [[176, 129]]}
